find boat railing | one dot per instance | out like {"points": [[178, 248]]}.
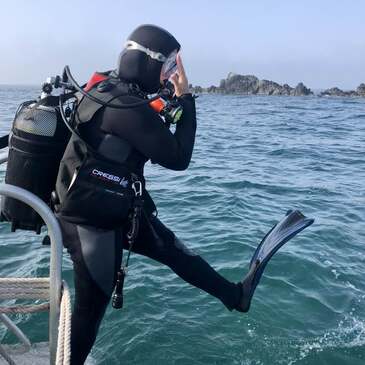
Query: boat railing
{"points": [[55, 270]]}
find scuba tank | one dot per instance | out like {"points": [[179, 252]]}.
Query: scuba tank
{"points": [[37, 142]]}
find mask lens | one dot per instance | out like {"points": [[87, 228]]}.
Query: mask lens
{"points": [[170, 66]]}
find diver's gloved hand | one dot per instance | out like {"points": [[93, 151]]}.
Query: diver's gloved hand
{"points": [[179, 79], [282, 232]]}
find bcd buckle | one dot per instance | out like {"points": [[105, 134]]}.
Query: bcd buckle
{"points": [[137, 188]]}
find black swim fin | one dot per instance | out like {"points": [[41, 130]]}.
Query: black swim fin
{"points": [[282, 232]]}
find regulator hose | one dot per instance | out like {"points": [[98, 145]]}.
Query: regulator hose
{"points": [[67, 76]]}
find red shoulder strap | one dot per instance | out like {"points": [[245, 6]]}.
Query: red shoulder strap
{"points": [[95, 79]]}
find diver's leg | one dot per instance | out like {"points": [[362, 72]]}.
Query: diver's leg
{"points": [[96, 256], [159, 243]]}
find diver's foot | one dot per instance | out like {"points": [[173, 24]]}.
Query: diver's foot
{"points": [[247, 289], [282, 232]]}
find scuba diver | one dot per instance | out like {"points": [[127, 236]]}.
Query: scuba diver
{"points": [[111, 145]]}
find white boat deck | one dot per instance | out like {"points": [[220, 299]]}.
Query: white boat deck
{"points": [[38, 355]]}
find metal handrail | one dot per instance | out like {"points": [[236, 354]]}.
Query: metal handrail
{"points": [[55, 270]]}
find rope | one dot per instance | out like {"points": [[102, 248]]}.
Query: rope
{"points": [[64, 329], [24, 288], [38, 288], [24, 280], [25, 308], [28, 294]]}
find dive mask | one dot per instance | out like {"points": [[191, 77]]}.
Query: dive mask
{"points": [[170, 66]]}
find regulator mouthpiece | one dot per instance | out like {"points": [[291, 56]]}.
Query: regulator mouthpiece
{"points": [[170, 110]]}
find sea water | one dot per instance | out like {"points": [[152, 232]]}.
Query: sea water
{"points": [[254, 158]]}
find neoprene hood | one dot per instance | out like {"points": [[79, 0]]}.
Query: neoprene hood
{"points": [[137, 67]]}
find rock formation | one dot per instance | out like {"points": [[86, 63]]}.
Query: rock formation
{"points": [[251, 85], [361, 90], [335, 91]]}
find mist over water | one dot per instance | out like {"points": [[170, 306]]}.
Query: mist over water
{"points": [[254, 158]]}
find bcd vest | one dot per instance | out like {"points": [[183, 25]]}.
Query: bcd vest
{"points": [[95, 187]]}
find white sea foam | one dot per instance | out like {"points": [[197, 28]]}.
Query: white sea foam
{"points": [[349, 333]]}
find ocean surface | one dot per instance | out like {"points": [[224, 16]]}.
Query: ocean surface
{"points": [[254, 158]]}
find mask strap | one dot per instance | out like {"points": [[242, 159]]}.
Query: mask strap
{"points": [[136, 46]]}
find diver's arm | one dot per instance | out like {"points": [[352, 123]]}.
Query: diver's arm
{"points": [[145, 130], [186, 126]]}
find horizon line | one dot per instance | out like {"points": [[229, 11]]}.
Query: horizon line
{"points": [[194, 85]]}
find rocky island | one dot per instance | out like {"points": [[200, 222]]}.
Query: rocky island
{"points": [[335, 91], [251, 85]]}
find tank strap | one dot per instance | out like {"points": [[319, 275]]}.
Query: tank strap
{"points": [[88, 108]]}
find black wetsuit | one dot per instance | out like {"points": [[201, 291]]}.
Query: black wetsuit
{"points": [[97, 253]]}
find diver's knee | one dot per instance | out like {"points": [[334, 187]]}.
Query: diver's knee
{"points": [[182, 247]]}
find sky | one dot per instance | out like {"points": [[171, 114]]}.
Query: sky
{"points": [[320, 43]]}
